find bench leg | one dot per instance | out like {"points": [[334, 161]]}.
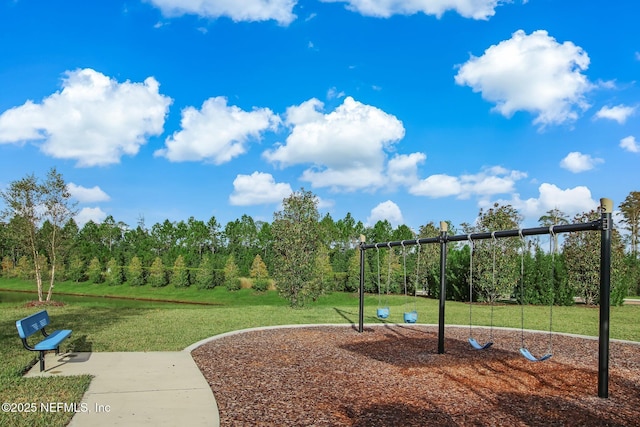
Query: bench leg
{"points": [[41, 361]]}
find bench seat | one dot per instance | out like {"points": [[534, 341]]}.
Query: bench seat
{"points": [[52, 342]]}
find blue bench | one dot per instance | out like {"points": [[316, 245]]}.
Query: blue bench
{"points": [[37, 322]]}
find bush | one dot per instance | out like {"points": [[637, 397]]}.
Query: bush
{"points": [[218, 278], [233, 284], [261, 284]]}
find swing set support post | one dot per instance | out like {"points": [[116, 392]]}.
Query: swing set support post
{"points": [[606, 208], [443, 284], [361, 313]]}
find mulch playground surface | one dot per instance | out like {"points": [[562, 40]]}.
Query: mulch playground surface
{"points": [[392, 376]]}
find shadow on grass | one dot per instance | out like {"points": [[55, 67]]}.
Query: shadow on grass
{"points": [[343, 314]]}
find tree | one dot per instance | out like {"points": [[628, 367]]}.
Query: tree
{"points": [[76, 271], [204, 275], [180, 274], [157, 274], [581, 252], [259, 274], [231, 274], [553, 217], [24, 199], [496, 261], [114, 275], [428, 270], [135, 274], [324, 271], [58, 211], [295, 243], [353, 272], [630, 209], [94, 271], [7, 267]]}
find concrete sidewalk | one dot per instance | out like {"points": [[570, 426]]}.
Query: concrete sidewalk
{"points": [[133, 389]]}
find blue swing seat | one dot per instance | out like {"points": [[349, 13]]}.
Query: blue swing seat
{"points": [[475, 344], [411, 317], [382, 313], [526, 353]]}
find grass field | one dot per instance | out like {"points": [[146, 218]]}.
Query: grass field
{"points": [[105, 324]]}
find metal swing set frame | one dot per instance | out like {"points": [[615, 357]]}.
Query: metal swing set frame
{"points": [[604, 224]]}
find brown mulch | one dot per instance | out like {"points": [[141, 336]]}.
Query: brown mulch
{"points": [[393, 376]]}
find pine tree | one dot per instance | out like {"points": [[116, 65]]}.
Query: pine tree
{"points": [[180, 274], [94, 271], [259, 274], [76, 271], [7, 267], [135, 274], [157, 274], [231, 274], [204, 275], [114, 275]]}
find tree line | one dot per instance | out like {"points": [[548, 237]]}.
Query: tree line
{"points": [[304, 254]]}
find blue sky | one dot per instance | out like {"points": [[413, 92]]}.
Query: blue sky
{"points": [[407, 110]]}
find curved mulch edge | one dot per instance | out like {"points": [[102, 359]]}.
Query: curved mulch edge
{"points": [[329, 375]]}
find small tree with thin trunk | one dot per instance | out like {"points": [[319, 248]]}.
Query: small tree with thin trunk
{"points": [[28, 203]]}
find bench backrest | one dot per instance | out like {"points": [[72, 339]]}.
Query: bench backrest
{"points": [[32, 324]]}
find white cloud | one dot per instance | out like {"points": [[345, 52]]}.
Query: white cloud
{"points": [[85, 215], [386, 210], [577, 162], [402, 169], [217, 132], [571, 201], [346, 147], [439, 185], [237, 10], [476, 9], [531, 73], [630, 144], [619, 113], [87, 195], [93, 119], [258, 189], [490, 181]]}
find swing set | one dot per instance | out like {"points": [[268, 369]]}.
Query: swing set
{"points": [[382, 312], [604, 225]]}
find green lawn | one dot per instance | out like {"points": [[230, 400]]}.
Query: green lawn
{"points": [[105, 324]]}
